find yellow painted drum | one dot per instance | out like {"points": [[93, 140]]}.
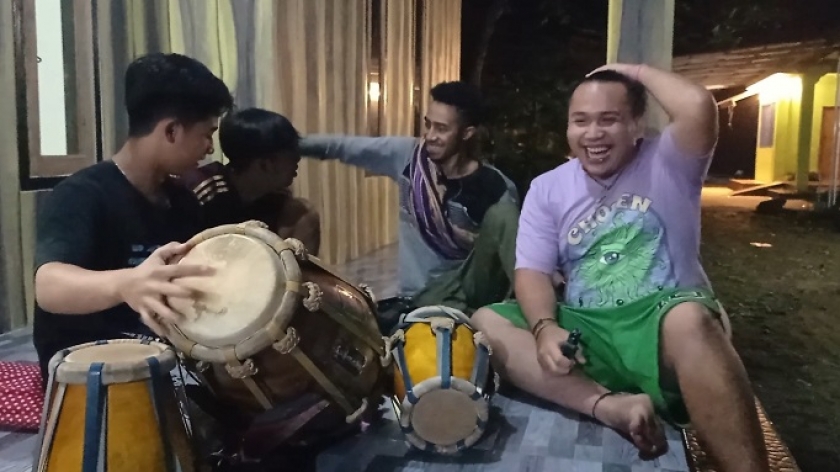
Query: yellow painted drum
{"points": [[442, 386], [111, 405]]}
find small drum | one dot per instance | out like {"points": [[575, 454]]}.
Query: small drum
{"points": [[111, 405], [273, 325], [442, 387]]}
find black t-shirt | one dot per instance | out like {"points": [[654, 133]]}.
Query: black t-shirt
{"points": [[221, 203], [97, 220], [476, 192]]}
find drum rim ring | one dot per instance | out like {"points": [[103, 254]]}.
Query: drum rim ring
{"points": [[112, 372], [275, 328], [482, 413]]}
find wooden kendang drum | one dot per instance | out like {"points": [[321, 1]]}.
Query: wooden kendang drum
{"points": [[273, 324], [111, 405], [444, 381]]}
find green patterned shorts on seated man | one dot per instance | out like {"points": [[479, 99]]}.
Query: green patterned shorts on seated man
{"points": [[621, 344]]}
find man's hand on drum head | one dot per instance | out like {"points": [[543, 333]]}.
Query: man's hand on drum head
{"points": [[146, 286], [549, 353]]}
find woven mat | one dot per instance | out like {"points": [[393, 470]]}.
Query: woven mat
{"points": [[780, 458], [21, 399]]}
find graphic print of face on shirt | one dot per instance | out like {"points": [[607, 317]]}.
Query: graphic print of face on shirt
{"points": [[618, 254]]}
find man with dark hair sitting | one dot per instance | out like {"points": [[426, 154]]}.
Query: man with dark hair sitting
{"points": [[105, 234], [458, 215], [262, 150]]}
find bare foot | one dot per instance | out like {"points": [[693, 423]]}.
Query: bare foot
{"points": [[634, 417]]}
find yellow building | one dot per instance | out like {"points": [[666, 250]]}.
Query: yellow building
{"points": [[344, 66], [796, 87]]}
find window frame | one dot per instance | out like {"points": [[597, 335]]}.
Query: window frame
{"points": [[39, 172], [767, 125]]}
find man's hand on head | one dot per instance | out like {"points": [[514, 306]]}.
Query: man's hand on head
{"points": [[629, 70]]}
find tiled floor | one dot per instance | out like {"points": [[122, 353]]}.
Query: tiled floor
{"points": [[524, 434], [377, 269]]}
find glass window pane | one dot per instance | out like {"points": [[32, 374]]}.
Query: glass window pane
{"points": [[57, 110]]}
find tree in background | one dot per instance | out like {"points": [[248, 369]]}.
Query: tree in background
{"points": [[526, 55]]}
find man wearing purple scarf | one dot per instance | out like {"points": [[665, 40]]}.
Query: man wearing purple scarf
{"points": [[458, 215]]}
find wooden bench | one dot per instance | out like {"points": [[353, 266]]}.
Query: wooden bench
{"points": [[781, 459]]}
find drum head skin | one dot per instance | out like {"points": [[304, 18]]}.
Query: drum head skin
{"points": [[113, 353], [241, 297], [120, 361]]}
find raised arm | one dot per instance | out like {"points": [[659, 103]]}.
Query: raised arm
{"points": [[381, 155], [692, 108]]}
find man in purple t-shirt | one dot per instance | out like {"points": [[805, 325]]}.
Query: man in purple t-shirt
{"points": [[621, 223]]}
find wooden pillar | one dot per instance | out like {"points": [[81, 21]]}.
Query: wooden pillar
{"points": [[12, 299], [642, 31], [806, 122]]}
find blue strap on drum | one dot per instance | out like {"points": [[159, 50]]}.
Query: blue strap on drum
{"points": [[96, 374], [443, 336], [156, 392], [403, 367], [94, 407]]}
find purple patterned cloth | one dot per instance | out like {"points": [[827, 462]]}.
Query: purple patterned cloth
{"points": [[426, 205]]}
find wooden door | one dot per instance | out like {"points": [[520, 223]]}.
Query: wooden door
{"points": [[827, 144]]}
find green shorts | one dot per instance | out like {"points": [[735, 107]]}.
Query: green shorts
{"points": [[621, 344]]}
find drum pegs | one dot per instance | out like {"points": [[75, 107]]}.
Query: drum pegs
{"points": [[244, 370], [297, 247], [385, 359], [312, 302], [480, 339], [369, 292], [390, 342], [288, 343], [253, 224], [439, 322]]}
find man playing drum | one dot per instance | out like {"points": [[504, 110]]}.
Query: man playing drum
{"points": [[458, 215], [105, 234], [622, 221], [262, 150]]}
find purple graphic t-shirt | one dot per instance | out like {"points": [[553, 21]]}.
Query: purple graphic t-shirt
{"points": [[619, 240]]}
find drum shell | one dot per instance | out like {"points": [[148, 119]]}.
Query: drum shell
{"points": [[140, 419], [350, 363], [442, 384], [421, 355]]}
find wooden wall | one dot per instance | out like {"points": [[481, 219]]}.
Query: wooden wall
{"points": [[308, 59]]}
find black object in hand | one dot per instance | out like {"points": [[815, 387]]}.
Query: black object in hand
{"points": [[571, 345]]}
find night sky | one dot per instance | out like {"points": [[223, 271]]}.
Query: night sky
{"points": [[538, 27]]}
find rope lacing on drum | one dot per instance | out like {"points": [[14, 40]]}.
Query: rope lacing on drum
{"points": [[447, 324], [351, 418], [368, 291], [399, 335], [312, 302], [242, 370], [288, 343], [253, 223], [298, 248], [480, 339]]}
